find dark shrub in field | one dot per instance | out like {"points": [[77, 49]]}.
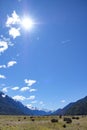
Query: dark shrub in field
{"points": [[60, 116], [64, 126], [24, 117], [68, 120], [33, 119], [54, 120], [77, 118]]}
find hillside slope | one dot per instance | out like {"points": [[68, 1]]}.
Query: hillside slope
{"points": [[77, 108]]}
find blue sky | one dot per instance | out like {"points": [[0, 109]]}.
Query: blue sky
{"points": [[45, 66]]}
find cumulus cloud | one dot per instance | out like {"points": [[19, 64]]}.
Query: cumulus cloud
{"points": [[5, 89], [11, 21], [15, 88], [31, 97], [11, 63], [2, 66], [14, 32], [3, 46], [30, 82], [2, 77], [24, 89], [22, 98], [14, 19], [32, 90], [19, 98]]}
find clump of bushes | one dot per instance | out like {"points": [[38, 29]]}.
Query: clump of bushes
{"points": [[64, 126], [19, 120], [33, 119], [68, 120], [60, 116], [54, 120], [77, 118], [24, 117]]}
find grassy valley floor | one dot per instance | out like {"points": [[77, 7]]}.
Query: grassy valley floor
{"points": [[41, 123]]}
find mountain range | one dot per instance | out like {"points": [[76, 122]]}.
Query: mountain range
{"points": [[9, 106], [76, 108]]}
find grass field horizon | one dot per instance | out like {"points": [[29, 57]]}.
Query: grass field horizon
{"points": [[42, 123]]}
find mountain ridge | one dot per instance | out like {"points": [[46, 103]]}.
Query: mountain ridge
{"points": [[9, 106], [75, 108]]}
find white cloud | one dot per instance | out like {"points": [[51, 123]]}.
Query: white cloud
{"points": [[2, 77], [32, 90], [11, 21], [24, 89], [15, 88], [11, 63], [5, 89], [3, 46], [19, 98], [29, 106], [31, 97], [3, 95], [14, 32], [14, 19], [2, 66], [30, 82], [63, 101]]}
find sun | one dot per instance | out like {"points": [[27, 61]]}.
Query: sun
{"points": [[27, 23]]}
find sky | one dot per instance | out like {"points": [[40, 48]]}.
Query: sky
{"points": [[43, 51]]}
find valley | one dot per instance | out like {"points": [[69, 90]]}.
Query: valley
{"points": [[42, 123]]}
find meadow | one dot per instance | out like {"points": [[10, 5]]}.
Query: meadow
{"points": [[42, 123]]}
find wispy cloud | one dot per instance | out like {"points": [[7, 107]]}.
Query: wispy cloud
{"points": [[5, 89], [11, 63], [2, 77], [3, 46], [31, 97], [63, 101], [15, 88], [14, 32], [32, 90], [65, 42], [30, 82], [24, 89], [19, 98]]}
